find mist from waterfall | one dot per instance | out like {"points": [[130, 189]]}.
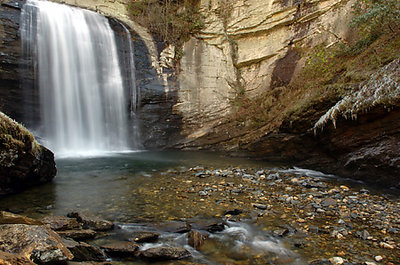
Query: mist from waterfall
{"points": [[83, 102]]}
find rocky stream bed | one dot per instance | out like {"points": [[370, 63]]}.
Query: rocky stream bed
{"points": [[221, 216]]}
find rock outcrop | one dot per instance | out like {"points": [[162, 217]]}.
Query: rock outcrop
{"points": [[249, 47], [23, 162]]}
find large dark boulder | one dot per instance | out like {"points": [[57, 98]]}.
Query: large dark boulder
{"points": [[23, 162]]}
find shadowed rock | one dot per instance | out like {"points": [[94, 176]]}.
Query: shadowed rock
{"points": [[83, 251]]}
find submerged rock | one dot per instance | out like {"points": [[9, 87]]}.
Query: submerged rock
{"points": [[175, 227], [165, 253], [39, 243]]}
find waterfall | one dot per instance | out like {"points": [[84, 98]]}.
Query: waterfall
{"points": [[83, 101]]}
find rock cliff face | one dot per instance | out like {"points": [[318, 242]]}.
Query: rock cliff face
{"points": [[23, 162], [250, 46]]}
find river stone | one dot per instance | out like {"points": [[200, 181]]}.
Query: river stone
{"points": [[196, 239], [120, 249], [320, 262], [281, 232], [83, 251], [144, 236], [328, 202], [233, 212], [165, 253], [78, 234], [11, 218], [92, 222], [39, 243], [260, 206], [58, 223]]}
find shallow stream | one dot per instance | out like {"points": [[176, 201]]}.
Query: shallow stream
{"points": [[272, 214]]}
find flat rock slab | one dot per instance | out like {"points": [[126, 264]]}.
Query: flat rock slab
{"points": [[78, 234], [121, 249], [58, 223], [39, 243], [11, 218], [92, 222], [165, 253], [144, 236], [83, 251]]}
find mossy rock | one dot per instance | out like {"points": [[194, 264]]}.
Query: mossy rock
{"points": [[23, 161]]}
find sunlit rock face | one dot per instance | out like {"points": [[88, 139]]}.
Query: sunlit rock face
{"points": [[250, 47]]}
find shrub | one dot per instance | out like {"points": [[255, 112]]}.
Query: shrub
{"points": [[376, 16], [171, 20]]}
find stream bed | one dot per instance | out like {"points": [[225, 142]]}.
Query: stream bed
{"points": [[250, 212]]}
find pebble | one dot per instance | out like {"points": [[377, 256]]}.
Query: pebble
{"points": [[336, 260], [260, 206], [378, 258], [386, 245]]}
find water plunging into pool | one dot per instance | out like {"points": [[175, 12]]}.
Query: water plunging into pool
{"points": [[84, 104]]}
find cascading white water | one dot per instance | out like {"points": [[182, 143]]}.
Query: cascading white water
{"points": [[82, 96]]}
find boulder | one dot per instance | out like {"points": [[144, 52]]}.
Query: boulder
{"points": [[165, 253], [92, 222], [23, 162], [38, 243]]}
